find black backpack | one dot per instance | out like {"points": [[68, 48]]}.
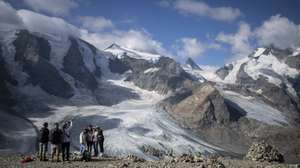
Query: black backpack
{"points": [[86, 156], [44, 135]]}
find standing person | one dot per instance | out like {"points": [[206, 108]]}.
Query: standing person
{"points": [[100, 138], [95, 142], [66, 141], [43, 142], [82, 140], [56, 141], [89, 139]]}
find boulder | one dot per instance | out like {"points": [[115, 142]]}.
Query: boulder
{"points": [[264, 152]]}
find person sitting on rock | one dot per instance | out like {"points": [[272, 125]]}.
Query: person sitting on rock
{"points": [[43, 142], [56, 141]]}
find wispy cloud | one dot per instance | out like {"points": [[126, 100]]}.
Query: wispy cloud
{"points": [[279, 31], [53, 7], [8, 17], [202, 9], [189, 47], [95, 23], [239, 41]]}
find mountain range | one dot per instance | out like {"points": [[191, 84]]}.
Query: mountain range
{"points": [[148, 104]]}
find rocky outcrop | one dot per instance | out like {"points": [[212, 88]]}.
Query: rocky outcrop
{"points": [[191, 63], [5, 95], [271, 93], [200, 107], [264, 152], [224, 71], [163, 76], [293, 61], [33, 54], [74, 66]]}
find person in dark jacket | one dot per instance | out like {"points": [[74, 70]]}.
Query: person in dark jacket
{"points": [[89, 138], [43, 142], [66, 141], [98, 140], [56, 141]]}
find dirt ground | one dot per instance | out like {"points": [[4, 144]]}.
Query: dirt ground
{"points": [[13, 161]]}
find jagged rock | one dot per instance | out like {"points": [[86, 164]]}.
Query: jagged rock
{"points": [[191, 63], [224, 71], [214, 163], [74, 66], [134, 158], [264, 152], [202, 106], [149, 150], [187, 158], [293, 61], [33, 53]]}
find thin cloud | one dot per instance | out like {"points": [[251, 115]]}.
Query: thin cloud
{"points": [[239, 41], [95, 23], [202, 9], [53, 7]]}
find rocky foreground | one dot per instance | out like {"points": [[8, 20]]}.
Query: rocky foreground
{"points": [[13, 161]]}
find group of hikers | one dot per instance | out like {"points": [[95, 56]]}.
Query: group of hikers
{"points": [[91, 138]]}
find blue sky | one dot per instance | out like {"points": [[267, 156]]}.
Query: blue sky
{"points": [[181, 28]]}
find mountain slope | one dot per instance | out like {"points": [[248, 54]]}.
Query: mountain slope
{"points": [[60, 78]]}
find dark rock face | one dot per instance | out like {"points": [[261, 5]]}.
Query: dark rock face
{"points": [[278, 52], [190, 62], [74, 66], [163, 76], [224, 71], [277, 96], [293, 62], [200, 107], [118, 66], [33, 53], [5, 95]]}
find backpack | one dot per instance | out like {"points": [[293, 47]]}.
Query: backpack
{"points": [[86, 156], [44, 135]]}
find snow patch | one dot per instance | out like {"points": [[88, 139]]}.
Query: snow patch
{"points": [[120, 52], [259, 52], [151, 70], [256, 109]]}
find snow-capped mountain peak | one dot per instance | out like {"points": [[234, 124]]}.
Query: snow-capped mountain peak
{"points": [[121, 51], [191, 63]]}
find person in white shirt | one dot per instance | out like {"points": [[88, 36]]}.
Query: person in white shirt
{"points": [[82, 140]]}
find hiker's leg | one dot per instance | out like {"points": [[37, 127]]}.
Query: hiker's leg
{"points": [[95, 148], [63, 148], [81, 148], [68, 150], [45, 149], [40, 151], [53, 150], [58, 151], [101, 146]]}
